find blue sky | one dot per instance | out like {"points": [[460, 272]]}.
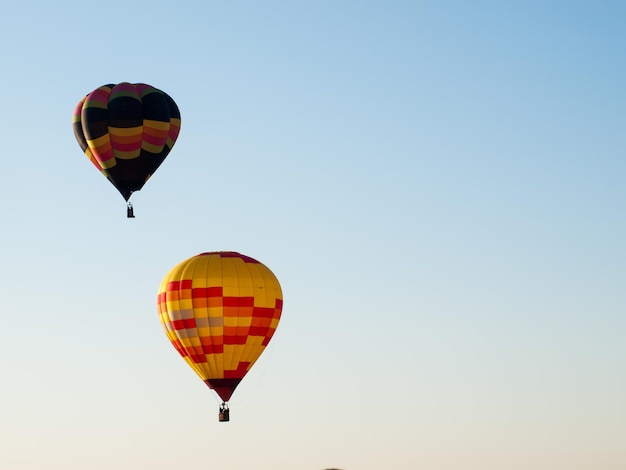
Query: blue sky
{"points": [[439, 187]]}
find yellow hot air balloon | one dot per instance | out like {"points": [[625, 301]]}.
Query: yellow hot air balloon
{"points": [[220, 310]]}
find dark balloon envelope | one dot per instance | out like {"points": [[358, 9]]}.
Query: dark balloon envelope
{"points": [[127, 130]]}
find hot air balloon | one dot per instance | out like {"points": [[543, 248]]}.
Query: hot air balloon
{"points": [[127, 130], [220, 310]]}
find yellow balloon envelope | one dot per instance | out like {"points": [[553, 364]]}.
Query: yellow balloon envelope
{"points": [[220, 310]]}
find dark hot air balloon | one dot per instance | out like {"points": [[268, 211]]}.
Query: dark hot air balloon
{"points": [[127, 130]]}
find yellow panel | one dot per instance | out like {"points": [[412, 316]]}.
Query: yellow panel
{"points": [[246, 291], [164, 126], [229, 354], [188, 269], [126, 131], [229, 277], [207, 371], [201, 270], [99, 142], [253, 351], [127, 155], [254, 340], [186, 342], [245, 280], [213, 270], [228, 267], [185, 304], [244, 322], [91, 103], [201, 312], [215, 312], [238, 351], [148, 147], [213, 281], [231, 321], [261, 300], [254, 270], [219, 366], [231, 291], [204, 331]]}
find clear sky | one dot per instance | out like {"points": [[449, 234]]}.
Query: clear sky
{"points": [[438, 185]]}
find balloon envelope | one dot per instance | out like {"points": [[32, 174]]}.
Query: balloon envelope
{"points": [[220, 310], [126, 130]]}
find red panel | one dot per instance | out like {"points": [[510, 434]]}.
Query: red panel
{"points": [[233, 339], [212, 348], [184, 324], [157, 136], [199, 293], [206, 292], [242, 369], [258, 330], [231, 301], [177, 285], [198, 358], [263, 312], [215, 291]]}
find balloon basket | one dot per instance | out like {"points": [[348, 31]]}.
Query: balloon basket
{"points": [[224, 415]]}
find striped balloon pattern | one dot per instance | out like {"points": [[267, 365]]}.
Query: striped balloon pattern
{"points": [[126, 131], [220, 310]]}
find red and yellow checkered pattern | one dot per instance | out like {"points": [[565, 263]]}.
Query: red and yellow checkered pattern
{"points": [[220, 310]]}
